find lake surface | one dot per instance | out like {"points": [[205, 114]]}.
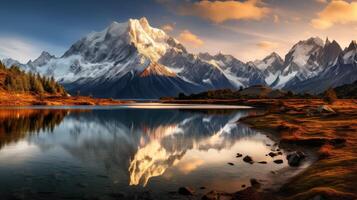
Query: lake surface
{"points": [[131, 151]]}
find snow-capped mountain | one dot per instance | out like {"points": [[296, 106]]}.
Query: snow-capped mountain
{"points": [[10, 62], [343, 70], [43, 59], [134, 60], [239, 73], [272, 67], [124, 61], [301, 62]]}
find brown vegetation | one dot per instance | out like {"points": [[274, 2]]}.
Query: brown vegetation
{"points": [[331, 134], [18, 88], [29, 99]]}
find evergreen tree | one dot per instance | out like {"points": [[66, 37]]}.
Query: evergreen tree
{"points": [[20, 81]]}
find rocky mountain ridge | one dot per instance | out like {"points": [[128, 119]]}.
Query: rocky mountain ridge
{"points": [[134, 60]]}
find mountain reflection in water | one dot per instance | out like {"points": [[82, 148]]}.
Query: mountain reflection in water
{"points": [[130, 149]]}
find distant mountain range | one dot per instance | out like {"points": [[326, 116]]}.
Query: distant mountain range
{"points": [[134, 60]]}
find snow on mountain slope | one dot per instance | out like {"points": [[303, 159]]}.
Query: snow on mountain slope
{"points": [[302, 62], [9, 62], [134, 60], [342, 71], [272, 67], [323, 59], [43, 59], [132, 49], [239, 73], [110, 44]]}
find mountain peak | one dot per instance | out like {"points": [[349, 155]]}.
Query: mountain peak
{"points": [[273, 55], [119, 39], [45, 54], [352, 46], [315, 40], [327, 42], [42, 59]]}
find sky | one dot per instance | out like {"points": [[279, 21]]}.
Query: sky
{"points": [[247, 29]]}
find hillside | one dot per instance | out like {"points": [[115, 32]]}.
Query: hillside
{"points": [[13, 80], [252, 92], [348, 91], [19, 88]]}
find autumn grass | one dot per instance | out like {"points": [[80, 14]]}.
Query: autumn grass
{"points": [[333, 137], [29, 99]]}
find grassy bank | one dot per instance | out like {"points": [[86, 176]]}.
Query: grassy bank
{"points": [[332, 135], [28, 99]]}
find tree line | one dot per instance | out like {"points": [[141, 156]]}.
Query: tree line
{"points": [[17, 80]]}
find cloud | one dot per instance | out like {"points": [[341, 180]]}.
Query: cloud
{"points": [[190, 39], [190, 165], [168, 27], [267, 45], [18, 49], [220, 11], [24, 49], [321, 1], [336, 12]]}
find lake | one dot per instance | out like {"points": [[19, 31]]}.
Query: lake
{"points": [[131, 151]]}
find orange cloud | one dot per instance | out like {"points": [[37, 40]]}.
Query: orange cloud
{"points": [[220, 11], [190, 165], [321, 1], [336, 12], [267, 45], [167, 27], [189, 38]]}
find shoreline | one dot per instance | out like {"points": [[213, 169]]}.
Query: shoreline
{"points": [[328, 134], [303, 124], [296, 124], [26, 99]]}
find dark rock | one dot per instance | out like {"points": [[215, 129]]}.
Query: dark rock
{"points": [[295, 158], [248, 159], [230, 163], [254, 182], [272, 154], [185, 191], [202, 187], [279, 161], [249, 193], [263, 162], [280, 153], [243, 186], [268, 145], [212, 195], [116, 195], [239, 155]]}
